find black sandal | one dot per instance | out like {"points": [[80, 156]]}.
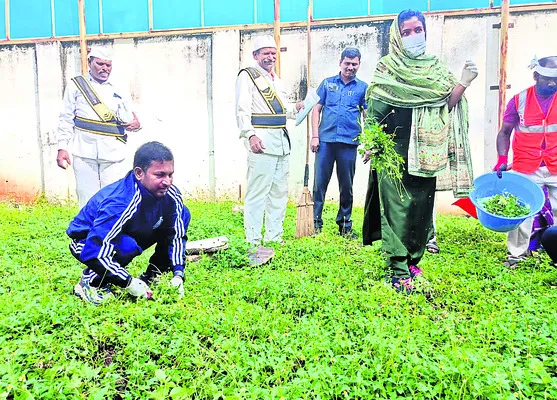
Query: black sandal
{"points": [[432, 246]]}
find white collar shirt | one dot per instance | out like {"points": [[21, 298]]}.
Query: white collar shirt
{"points": [[249, 100], [89, 145]]}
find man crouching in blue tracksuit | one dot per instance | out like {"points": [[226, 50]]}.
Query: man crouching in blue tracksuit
{"points": [[127, 217]]}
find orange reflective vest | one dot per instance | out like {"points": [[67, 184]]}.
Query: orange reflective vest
{"points": [[532, 131]]}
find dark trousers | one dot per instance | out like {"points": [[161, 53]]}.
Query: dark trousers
{"points": [[125, 250], [371, 227], [344, 156], [549, 242]]}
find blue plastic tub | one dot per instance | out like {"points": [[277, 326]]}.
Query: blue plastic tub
{"points": [[527, 191]]}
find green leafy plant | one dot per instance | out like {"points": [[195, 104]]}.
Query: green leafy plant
{"points": [[382, 154], [506, 205], [318, 322]]}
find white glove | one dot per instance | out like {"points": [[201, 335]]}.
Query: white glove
{"points": [[138, 288], [178, 282], [469, 73]]}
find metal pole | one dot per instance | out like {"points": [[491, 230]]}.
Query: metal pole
{"points": [[82, 33], [150, 15], [53, 16], [276, 31], [7, 18], [210, 121], [38, 116], [308, 118], [101, 28], [310, 17], [504, 40]]}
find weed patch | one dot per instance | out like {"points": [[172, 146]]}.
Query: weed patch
{"points": [[318, 322]]}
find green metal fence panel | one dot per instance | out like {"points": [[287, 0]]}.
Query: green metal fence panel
{"points": [[92, 16], [339, 9], [176, 14], [67, 19], [30, 19], [229, 12], [379, 7], [518, 2], [125, 16], [33, 18], [2, 19], [290, 11]]}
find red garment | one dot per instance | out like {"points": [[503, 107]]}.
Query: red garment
{"points": [[467, 205], [535, 136], [511, 114]]}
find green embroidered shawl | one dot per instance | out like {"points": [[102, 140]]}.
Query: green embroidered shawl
{"points": [[438, 138]]}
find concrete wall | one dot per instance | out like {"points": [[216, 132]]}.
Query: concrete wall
{"points": [[183, 90]]}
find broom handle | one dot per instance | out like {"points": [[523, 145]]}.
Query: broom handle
{"points": [[68, 177], [306, 176]]}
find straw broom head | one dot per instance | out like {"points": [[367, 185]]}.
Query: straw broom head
{"points": [[304, 215]]}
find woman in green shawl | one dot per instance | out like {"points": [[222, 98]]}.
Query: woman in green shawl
{"points": [[422, 103]]}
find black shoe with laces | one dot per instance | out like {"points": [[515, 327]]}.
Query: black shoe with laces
{"points": [[348, 234], [151, 275]]}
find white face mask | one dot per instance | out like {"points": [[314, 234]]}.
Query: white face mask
{"points": [[415, 44]]}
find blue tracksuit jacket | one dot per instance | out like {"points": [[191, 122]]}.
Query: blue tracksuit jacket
{"points": [[122, 220]]}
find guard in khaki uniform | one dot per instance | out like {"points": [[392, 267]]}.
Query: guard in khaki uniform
{"points": [[261, 115], [92, 126]]}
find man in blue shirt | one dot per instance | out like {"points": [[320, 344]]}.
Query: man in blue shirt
{"points": [[125, 218], [342, 103]]}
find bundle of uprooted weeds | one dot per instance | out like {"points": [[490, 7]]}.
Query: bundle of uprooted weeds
{"points": [[382, 154]]}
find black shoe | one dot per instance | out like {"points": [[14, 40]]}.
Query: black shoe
{"points": [[151, 275], [348, 234]]}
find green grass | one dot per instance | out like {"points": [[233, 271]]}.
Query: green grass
{"points": [[317, 323]]}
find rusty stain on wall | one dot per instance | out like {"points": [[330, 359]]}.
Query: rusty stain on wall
{"points": [[20, 192]]}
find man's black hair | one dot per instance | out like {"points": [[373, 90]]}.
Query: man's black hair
{"points": [[407, 14], [351, 52], [149, 152]]}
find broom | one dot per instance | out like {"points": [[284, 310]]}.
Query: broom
{"points": [[304, 213], [68, 180]]}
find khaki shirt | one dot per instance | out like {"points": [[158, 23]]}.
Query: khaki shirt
{"points": [[249, 100]]}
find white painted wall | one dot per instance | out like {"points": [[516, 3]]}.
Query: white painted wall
{"points": [[168, 80]]}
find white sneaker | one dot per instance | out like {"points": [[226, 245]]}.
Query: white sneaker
{"points": [[90, 294]]}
